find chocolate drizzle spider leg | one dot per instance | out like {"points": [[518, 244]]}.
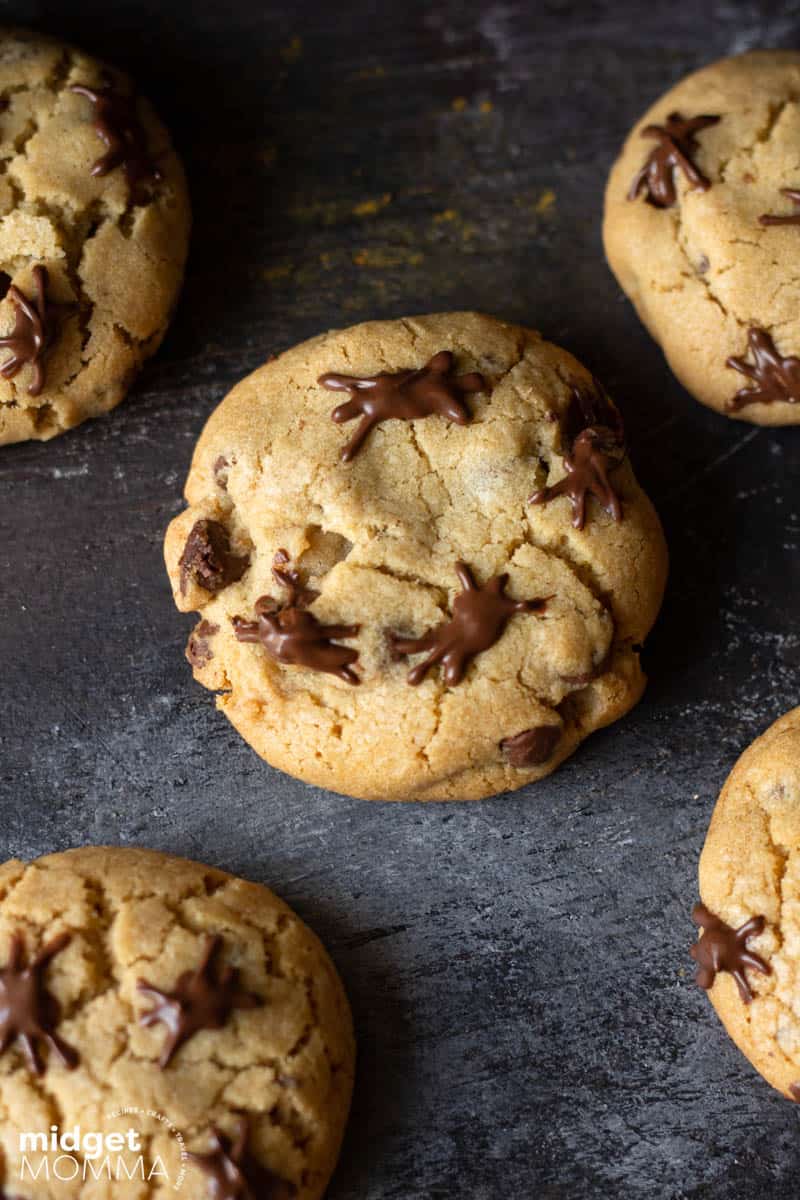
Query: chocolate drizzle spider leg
{"points": [[677, 143]]}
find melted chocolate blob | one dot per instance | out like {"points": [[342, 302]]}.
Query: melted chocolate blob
{"points": [[677, 142], [532, 746], [28, 1013], [202, 999], [480, 614], [207, 558], [722, 948], [403, 395], [198, 649], [774, 378]]}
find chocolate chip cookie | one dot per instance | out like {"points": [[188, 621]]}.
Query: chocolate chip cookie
{"points": [[422, 561], [702, 230], [748, 954], [164, 1022], [94, 225]]}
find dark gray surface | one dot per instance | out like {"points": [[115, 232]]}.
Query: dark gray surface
{"points": [[518, 967]]}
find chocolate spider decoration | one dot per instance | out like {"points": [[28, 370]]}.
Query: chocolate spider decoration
{"points": [[36, 327], [293, 636], [722, 948], [775, 379], [592, 428], [233, 1173], [403, 395], [793, 194], [28, 1012], [480, 615], [201, 999], [117, 124], [677, 142]]}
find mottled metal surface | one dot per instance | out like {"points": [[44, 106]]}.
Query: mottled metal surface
{"points": [[518, 967]]}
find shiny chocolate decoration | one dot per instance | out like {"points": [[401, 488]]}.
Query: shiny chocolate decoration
{"points": [[791, 218], [293, 636], [207, 559], [36, 327], [587, 473], [298, 595], [198, 650], [28, 1013], [591, 407], [480, 615], [532, 746], [117, 124], [232, 1173], [677, 142], [774, 378], [722, 948], [202, 999], [403, 395], [592, 429]]}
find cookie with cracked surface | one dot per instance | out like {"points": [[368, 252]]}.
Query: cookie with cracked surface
{"points": [[94, 227], [405, 613], [148, 983], [748, 954], [702, 234]]}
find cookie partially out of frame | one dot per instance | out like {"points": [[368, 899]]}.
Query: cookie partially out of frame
{"points": [[423, 565], [94, 226], [191, 1012], [748, 954], [702, 230]]}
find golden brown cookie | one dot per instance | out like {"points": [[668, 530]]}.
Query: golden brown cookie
{"points": [[94, 226], [749, 953], [422, 561], [164, 1027], [702, 230]]}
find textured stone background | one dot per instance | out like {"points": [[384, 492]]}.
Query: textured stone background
{"points": [[518, 967]]}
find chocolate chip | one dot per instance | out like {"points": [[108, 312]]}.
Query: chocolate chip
{"points": [[532, 746], [207, 559], [198, 650], [220, 470]]}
